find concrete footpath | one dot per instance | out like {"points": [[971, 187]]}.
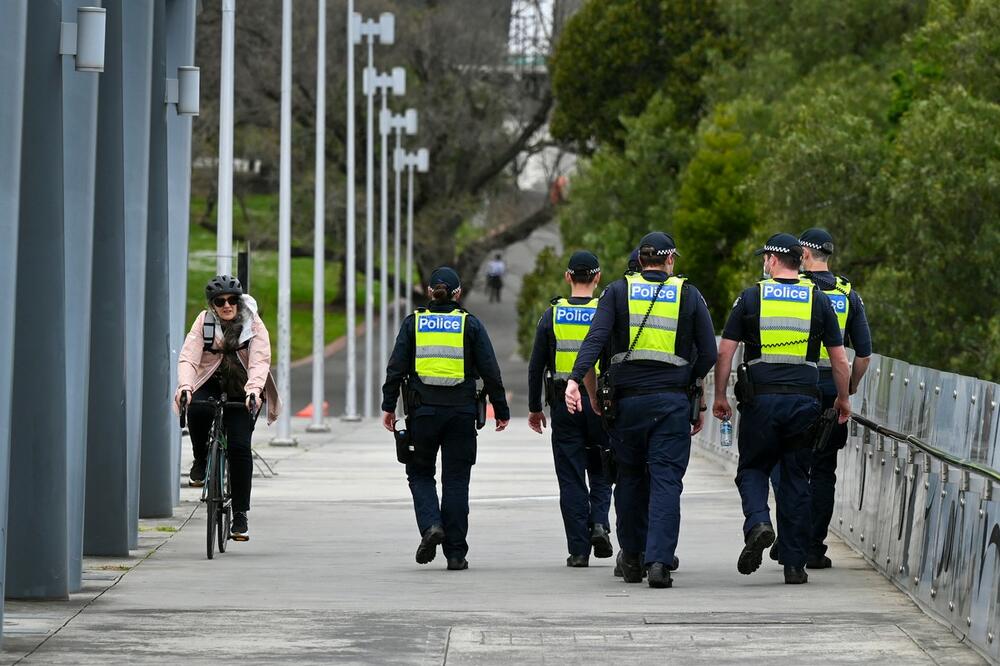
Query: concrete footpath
{"points": [[329, 577]]}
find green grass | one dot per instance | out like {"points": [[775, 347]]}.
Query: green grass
{"points": [[264, 288]]}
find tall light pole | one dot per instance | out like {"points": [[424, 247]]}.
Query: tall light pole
{"points": [[319, 254], [419, 160], [284, 436], [384, 83], [351, 387], [399, 123], [224, 227], [385, 31]]}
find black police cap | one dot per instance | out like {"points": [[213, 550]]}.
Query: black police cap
{"points": [[446, 276], [817, 239], [781, 244], [584, 263], [662, 243]]}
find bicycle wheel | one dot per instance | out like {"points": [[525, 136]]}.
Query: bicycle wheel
{"points": [[225, 510], [214, 501]]}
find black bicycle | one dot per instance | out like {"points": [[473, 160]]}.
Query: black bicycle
{"points": [[216, 492]]}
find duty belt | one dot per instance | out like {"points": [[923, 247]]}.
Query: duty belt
{"points": [[633, 392], [787, 389]]}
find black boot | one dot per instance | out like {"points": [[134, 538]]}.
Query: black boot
{"points": [[577, 561], [427, 550], [818, 562], [457, 564], [659, 575], [600, 539], [757, 540], [795, 576], [631, 567]]}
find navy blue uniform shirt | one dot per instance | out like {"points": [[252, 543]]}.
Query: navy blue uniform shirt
{"points": [[857, 335], [543, 354], [743, 325], [480, 361], [610, 328]]}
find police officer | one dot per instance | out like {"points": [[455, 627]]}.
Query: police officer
{"points": [[783, 321], [817, 247], [576, 438], [440, 352], [661, 340]]}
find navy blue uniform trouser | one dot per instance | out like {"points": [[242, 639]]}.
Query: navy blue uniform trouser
{"points": [[822, 483], [576, 439], [453, 430], [651, 439], [767, 436]]}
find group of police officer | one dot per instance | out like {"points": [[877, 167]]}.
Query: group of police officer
{"points": [[641, 352]]}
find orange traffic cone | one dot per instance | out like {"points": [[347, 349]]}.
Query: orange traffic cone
{"points": [[307, 412]]}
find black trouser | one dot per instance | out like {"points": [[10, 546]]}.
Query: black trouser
{"points": [[238, 427]]}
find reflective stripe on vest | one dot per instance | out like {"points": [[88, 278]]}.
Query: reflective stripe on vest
{"points": [[785, 322], [570, 324], [440, 347], [840, 299], [658, 340]]}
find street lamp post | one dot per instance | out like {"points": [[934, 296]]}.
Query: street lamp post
{"points": [[350, 269], [394, 82], [385, 31], [224, 225], [284, 435], [419, 160], [319, 255], [399, 123]]}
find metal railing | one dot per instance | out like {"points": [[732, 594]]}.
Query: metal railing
{"points": [[917, 493]]}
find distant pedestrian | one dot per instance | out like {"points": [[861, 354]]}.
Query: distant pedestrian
{"points": [[495, 271]]}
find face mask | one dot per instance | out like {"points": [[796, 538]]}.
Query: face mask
{"points": [[765, 272]]}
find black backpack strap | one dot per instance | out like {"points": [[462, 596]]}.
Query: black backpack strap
{"points": [[208, 331]]}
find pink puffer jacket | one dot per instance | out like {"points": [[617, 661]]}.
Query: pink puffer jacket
{"points": [[195, 367]]}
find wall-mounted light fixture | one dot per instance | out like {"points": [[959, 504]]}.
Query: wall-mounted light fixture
{"points": [[185, 91], [85, 39]]}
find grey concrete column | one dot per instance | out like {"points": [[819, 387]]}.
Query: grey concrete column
{"points": [[106, 526], [180, 52], [79, 128], [12, 36], [37, 553], [137, 53], [157, 484], [112, 505]]}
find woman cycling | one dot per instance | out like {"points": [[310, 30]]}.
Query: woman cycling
{"points": [[440, 351], [227, 351]]}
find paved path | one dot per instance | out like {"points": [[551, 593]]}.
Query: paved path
{"points": [[329, 577]]}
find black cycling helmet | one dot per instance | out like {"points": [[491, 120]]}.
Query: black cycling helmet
{"points": [[221, 285]]}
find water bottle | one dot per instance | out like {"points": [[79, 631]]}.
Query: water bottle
{"points": [[726, 430]]}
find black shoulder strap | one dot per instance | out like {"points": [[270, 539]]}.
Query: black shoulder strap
{"points": [[208, 331]]}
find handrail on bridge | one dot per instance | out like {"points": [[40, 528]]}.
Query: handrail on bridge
{"points": [[954, 461]]}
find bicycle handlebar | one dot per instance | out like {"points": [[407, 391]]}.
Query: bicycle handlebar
{"points": [[214, 403]]}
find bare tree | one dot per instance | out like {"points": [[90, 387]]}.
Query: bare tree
{"points": [[481, 111]]}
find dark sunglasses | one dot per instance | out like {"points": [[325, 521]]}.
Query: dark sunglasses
{"points": [[220, 301]]}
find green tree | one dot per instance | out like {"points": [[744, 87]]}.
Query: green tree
{"points": [[934, 301], [714, 209], [613, 55]]}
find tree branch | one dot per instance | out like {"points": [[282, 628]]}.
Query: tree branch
{"points": [[503, 158]]}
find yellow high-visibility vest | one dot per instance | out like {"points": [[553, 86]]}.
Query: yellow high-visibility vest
{"points": [[570, 324], [440, 347], [785, 321], [658, 339], [841, 301]]}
